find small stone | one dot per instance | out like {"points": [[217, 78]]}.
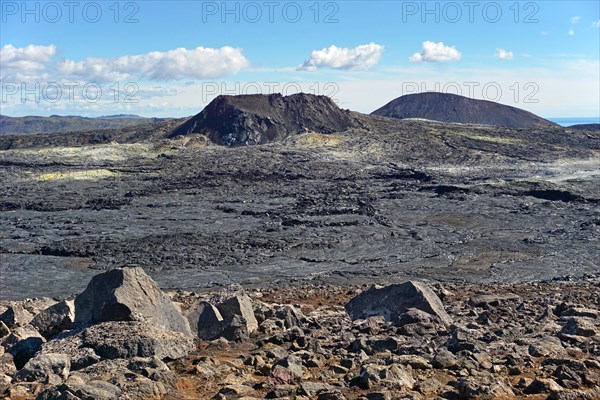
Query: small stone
{"points": [[240, 305], [483, 387], [548, 346], [338, 369], [4, 331], [331, 395], [579, 326], [495, 300], [540, 385], [23, 342], [43, 367], [416, 362], [287, 371], [16, 315], [444, 359], [580, 312], [236, 390], [429, 386], [311, 389], [385, 395], [55, 319]]}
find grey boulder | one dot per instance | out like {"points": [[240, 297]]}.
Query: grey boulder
{"points": [[240, 305], [393, 300], [127, 294], [135, 339], [205, 320], [228, 320]]}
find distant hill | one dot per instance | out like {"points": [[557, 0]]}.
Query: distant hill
{"points": [[123, 116], [258, 118], [56, 123], [447, 107], [151, 132], [586, 127]]}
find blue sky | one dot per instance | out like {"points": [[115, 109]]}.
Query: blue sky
{"points": [[171, 58]]}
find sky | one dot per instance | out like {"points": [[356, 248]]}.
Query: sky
{"points": [[169, 59]]}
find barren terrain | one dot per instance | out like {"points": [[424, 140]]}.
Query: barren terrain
{"points": [[385, 201]]}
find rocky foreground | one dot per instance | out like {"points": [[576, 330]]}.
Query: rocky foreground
{"points": [[123, 338]]}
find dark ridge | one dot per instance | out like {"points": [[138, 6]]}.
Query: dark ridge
{"points": [[259, 119], [69, 123], [554, 195], [586, 127], [447, 107], [147, 132]]}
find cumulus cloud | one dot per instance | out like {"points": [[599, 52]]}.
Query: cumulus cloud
{"points": [[35, 62], [571, 32], [18, 63], [436, 52], [180, 63], [359, 58], [596, 24], [504, 55], [575, 19]]}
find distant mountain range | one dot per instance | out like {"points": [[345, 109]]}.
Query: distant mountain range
{"points": [[446, 107], [259, 119], [57, 123]]}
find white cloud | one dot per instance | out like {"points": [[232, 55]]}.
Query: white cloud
{"points": [[544, 33], [359, 58], [20, 63], [571, 32], [504, 55], [436, 52], [180, 63], [565, 88], [596, 24], [575, 19]]}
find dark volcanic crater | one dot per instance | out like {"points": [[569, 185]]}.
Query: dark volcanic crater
{"points": [[259, 119], [446, 107]]}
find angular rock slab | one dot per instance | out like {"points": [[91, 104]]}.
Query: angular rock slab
{"points": [[43, 367], [240, 305], [79, 389], [114, 340], [135, 339], [393, 300], [205, 320], [208, 323], [16, 315], [55, 319], [23, 342], [127, 294]]}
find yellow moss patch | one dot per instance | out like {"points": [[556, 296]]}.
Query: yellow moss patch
{"points": [[493, 139], [94, 153], [317, 139], [89, 174]]}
